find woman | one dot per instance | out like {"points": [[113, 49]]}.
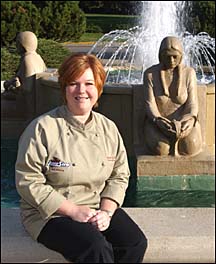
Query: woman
{"points": [[171, 104], [72, 174]]}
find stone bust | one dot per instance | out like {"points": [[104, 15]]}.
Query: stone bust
{"points": [[171, 104]]}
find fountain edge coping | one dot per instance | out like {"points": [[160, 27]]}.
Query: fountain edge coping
{"points": [[175, 235]]}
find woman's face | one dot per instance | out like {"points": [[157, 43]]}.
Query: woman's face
{"points": [[82, 94], [171, 58]]}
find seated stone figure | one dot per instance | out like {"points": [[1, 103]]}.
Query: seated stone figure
{"points": [[31, 63], [171, 104]]}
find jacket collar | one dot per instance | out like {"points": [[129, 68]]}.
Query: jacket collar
{"points": [[72, 121]]}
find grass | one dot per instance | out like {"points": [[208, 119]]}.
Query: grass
{"points": [[89, 37], [106, 23]]}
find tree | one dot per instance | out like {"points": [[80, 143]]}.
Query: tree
{"points": [[202, 17], [62, 20], [17, 16]]}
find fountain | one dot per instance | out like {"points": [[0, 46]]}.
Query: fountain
{"points": [[127, 53]]}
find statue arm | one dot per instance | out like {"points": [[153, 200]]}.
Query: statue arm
{"points": [[12, 84], [149, 98], [26, 74], [191, 107]]}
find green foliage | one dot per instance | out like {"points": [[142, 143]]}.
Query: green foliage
{"points": [[65, 20], [57, 20], [204, 16], [62, 20], [199, 16], [92, 28], [112, 7], [108, 23], [17, 16], [9, 63], [53, 54], [90, 37]]}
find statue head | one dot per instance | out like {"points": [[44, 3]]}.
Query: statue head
{"points": [[171, 52], [26, 41]]}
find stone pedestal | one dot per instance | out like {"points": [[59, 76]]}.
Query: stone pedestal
{"points": [[202, 164]]}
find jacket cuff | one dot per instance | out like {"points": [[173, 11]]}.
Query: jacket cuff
{"points": [[114, 194], [51, 204]]}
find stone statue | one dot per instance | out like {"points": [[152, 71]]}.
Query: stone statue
{"points": [[171, 104], [20, 89], [31, 63]]}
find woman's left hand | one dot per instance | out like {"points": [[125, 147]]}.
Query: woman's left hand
{"points": [[101, 220]]}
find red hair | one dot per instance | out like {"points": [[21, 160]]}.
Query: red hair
{"points": [[75, 65]]}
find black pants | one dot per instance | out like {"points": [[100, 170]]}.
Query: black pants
{"points": [[122, 242]]}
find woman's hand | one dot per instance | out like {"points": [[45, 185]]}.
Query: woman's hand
{"points": [[101, 220], [80, 213]]}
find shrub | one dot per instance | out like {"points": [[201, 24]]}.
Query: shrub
{"points": [[62, 21], [9, 63], [52, 52]]}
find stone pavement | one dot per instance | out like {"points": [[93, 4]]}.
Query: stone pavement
{"points": [[175, 235]]}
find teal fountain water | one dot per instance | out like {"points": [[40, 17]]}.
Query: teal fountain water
{"points": [[127, 53]]}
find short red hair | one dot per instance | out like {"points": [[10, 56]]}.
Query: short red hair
{"points": [[75, 65]]}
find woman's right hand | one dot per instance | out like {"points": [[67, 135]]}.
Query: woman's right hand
{"points": [[80, 213]]}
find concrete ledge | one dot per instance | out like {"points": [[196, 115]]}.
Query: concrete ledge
{"points": [[175, 235]]}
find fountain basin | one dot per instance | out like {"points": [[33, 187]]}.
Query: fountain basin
{"points": [[123, 103]]}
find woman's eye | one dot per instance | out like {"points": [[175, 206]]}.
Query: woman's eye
{"points": [[89, 83]]}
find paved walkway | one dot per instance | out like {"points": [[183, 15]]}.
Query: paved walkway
{"points": [[79, 47], [175, 235]]}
